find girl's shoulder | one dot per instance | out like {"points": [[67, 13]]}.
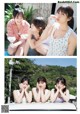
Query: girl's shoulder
{"points": [[11, 22], [52, 90], [16, 91], [47, 90], [34, 89], [73, 34]]}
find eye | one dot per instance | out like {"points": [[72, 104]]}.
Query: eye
{"points": [[63, 14], [57, 12]]}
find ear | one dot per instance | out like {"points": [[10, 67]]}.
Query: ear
{"points": [[69, 18]]}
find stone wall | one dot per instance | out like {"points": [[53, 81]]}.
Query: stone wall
{"points": [[44, 9]]}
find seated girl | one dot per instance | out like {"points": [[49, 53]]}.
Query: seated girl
{"points": [[60, 93], [17, 29], [41, 92], [37, 27], [63, 39], [23, 95]]}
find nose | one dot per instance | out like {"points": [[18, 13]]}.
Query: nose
{"points": [[58, 16], [40, 85]]}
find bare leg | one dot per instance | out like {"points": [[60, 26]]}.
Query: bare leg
{"points": [[11, 50], [26, 48], [20, 50], [42, 49]]}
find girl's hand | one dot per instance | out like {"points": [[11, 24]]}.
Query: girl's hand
{"points": [[57, 88], [28, 86], [38, 87], [62, 88], [21, 86], [44, 86], [51, 19]]}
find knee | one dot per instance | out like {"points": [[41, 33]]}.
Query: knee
{"points": [[11, 51]]}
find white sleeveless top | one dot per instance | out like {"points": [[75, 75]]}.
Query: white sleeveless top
{"points": [[23, 99], [59, 47]]}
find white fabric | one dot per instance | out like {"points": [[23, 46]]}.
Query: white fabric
{"points": [[59, 46]]}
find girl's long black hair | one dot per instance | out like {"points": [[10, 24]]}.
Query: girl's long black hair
{"points": [[69, 12]]}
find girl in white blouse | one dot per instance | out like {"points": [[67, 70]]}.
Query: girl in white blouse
{"points": [[60, 93], [41, 92], [23, 95]]}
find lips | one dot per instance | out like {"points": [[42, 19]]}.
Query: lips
{"points": [[57, 19]]}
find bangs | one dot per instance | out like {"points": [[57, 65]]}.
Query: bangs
{"points": [[66, 10], [63, 10], [39, 22], [41, 79], [20, 14], [62, 80]]}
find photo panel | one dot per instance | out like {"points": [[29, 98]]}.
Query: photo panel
{"points": [[40, 29], [44, 84]]}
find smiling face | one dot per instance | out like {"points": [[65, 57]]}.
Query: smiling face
{"points": [[34, 29], [18, 19]]}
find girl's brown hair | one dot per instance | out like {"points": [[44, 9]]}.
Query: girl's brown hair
{"points": [[39, 23], [69, 12]]}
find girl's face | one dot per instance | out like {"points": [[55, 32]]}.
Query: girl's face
{"points": [[62, 17], [34, 29], [60, 85], [25, 84], [18, 19], [41, 84]]}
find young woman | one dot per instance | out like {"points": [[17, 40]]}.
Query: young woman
{"points": [[17, 30], [40, 92], [37, 27], [60, 93], [63, 40], [23, 95]]}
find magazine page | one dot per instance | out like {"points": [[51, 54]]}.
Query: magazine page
{"points": [[39, 57]]}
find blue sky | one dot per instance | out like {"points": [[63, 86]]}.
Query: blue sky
{"points": [[56, 61]]}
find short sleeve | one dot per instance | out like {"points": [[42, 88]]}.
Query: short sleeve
{"points": [[10, 29]]}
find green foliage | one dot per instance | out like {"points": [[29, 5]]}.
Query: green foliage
{"points": [[73, 90], [8, 13], [28, 13], [33, 71]]}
